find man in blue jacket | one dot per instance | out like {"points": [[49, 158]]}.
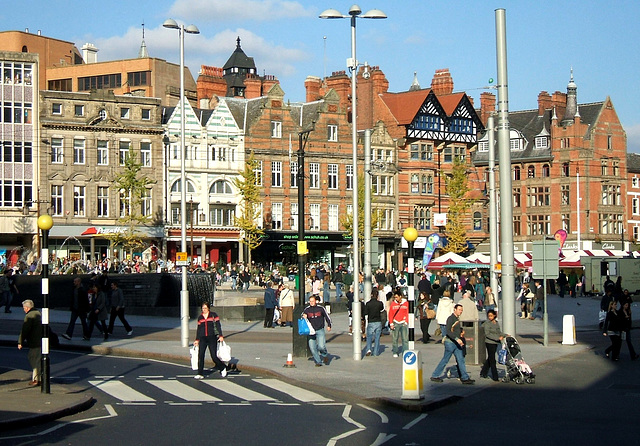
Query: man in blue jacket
{"points": [[270, 304], [317, 316]]}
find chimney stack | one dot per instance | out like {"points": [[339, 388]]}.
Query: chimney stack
{"points": [[89, 53], [442, 82]]}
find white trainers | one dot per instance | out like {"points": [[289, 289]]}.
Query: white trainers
{"points": [[224, 372], [395, 355], [130, 332], [199, 377]]}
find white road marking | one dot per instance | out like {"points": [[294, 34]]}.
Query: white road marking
{"points": [[383, 417], [236, 390], [382, 438], [346, 415], [181, 390], [121, 391], [297, 393], [414, 422]]}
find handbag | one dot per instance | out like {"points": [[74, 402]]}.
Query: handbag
{"points": [[224, 351], [431, 314], [502, 355], [193, 351]]}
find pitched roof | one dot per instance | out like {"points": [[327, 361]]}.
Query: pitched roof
{"points": [[633, 162], [450, 102], [405, 106]]}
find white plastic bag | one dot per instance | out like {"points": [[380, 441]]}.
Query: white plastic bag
{"points": [[224, 351], [194, 356]]}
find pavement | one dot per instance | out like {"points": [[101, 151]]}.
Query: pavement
{"points": [[378, 380]]}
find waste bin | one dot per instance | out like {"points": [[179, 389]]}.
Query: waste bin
{"points": [[474, 338]]}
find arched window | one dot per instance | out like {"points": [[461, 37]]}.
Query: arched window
{"points": [[477, 221], [546, 171], [531, 172], [24, 49], [175, 188], [220, 187], [415, 183], [516, 173]]}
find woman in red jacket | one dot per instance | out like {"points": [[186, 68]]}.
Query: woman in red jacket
{"points": [[208, 333]]}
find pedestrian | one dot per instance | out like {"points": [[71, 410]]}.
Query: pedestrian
{"points": [[399, 323], [373, 314], [338, 282], [245, 278], [234, 279], [31, 338], [5, 290], [287, 304], [117, 309], [270, 305], [453, 345], [326, 289], [208, 334], [493, 336], [98, 313], [318, 317], [573, 283], [525, 297], [562, 283], [612, 328], [489, 299], [445, 309], [79, 309], [425, 314], [625, 310], [537, 304]]}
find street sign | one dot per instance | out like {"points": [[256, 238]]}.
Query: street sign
{"points": [[302, 248], [545, 259], [181, 259]]}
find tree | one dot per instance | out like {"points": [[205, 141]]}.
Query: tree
{"points": [[131, 187], [248, 185], [459, 203], [346, 219]]}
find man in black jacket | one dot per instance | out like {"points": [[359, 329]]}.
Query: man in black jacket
{"points": [[453, 344], [373, 313], [79, 309]]}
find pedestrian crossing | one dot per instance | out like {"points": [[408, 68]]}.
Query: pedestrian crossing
{"points": [[187, 391]]}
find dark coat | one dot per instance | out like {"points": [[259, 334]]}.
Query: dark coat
{"points": [[31, 333]]}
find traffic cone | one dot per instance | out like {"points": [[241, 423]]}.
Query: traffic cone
{"points": [[289, 363]]}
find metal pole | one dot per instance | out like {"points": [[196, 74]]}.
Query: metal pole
{"points": [[355, 310], [578, 205], [45, 223], [506, 210], [493, 212], [367, 215], [300, 342], [184, 292], [545, 315], [411, 295]]}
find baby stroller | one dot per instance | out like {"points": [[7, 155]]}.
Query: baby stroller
{"points": [[517, 370]]}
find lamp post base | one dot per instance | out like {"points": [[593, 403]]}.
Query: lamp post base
{"points": [[300, 343]]}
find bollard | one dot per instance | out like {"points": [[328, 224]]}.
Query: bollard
{"points": [[568, 329], [411, 376]]}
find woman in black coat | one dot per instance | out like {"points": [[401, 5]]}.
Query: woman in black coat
{"points": [[612, 328], [208, 333]]}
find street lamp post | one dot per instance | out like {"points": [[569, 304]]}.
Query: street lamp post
{"points": [[410, 235], [352, 64], [45, 223], [184, 292], [191, 227]]}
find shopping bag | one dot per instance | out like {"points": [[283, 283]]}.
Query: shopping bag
{"points": [[303, 327], [224, 351], [194, 357], [502, 355]]}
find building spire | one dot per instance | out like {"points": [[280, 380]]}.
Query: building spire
{"points": [[415, 85], [572, 101], [142, 54]]}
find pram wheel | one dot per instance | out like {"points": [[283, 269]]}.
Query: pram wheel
{"points": [[531, 380], [519, 380]]}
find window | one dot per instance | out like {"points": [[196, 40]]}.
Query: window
{"points": [[565, 196], [427, 122], [635, 182], [542, 142], [220, 187], [565, 169], [333, 176], [515, 144], [611, 194], [314, 175], [603, 167], [609, 143], [566, 223], [415, 151], [429, 184], [78, 151], [610, 223], [60, 85], [516, 173], [146, 114], [125, 112], [257, 173], [384, 219], [293, 170], [221, 215], [349, 176], [415, 183], [539, 224], [276, 215], [374, 184], [483, 146], [538, 196], [477, 221], [146, 208], [139, 78], [276, 129], [615, 166], [56, 108], [461, 125], [531, 172], [56, 200], [314, 209], [78, 110], [333, 217], [103, 201], [125, 203], [423, 184], [422, 217], [294, 216], [145, 153], [517, 225], [636, 232], [635, 206], [56, 150], [451, 152], [517, 197], [276, 174], [332, 132], [78, 201], [103, 153], [100, 82], [123, 153], [545, 171]]}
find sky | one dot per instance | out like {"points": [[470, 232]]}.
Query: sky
{"points": [[545, 40]]}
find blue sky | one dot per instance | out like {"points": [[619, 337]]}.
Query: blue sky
{"points": [[287, 39]]}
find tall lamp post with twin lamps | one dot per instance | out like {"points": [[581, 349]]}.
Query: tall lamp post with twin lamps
{"points": [[184, 292], [352, 64]]}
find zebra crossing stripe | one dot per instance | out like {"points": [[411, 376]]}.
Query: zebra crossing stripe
{"points": [[297, 393], [181, 390], [236, 390], [121, 391]]}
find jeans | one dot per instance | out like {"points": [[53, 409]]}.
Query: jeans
{"points": [[399, 331], [338, 291], [374, 329], [318, 346], [234, 283], [450, 348], [245, 286]]}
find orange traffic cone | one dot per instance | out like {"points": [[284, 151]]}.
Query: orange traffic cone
{"points": [[289, 363]]}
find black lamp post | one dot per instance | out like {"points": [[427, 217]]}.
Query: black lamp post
{"points": [[45, 223], [410, 235]]}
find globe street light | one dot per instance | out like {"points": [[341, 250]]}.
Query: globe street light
{"points": [[184, 292], [352, 64], [45, 223], [410, 235]]}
